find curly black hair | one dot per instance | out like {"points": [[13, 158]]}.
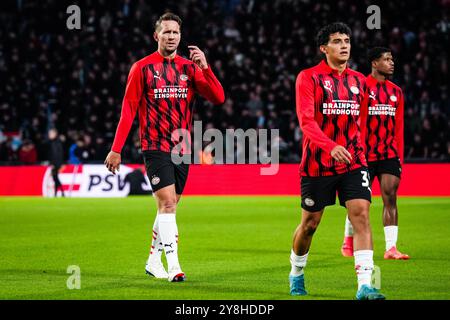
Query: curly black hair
{"points": [[323, 36], [376, 52]]}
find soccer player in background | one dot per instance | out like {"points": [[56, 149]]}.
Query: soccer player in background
{"points": [[328, 99], [383, 138], [161, 88]]}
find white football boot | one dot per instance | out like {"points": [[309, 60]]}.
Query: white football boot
{"points": [[156, 269], [176, 275]]}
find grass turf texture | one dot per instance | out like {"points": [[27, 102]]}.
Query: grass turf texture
{"points": [[230, 248]]}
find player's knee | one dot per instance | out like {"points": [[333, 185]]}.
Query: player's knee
{"points": [[390, 191], [361, 224], [310, 226], [389, 196], [360, 216], [168, 205]]}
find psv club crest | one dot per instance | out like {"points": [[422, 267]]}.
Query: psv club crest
{"points": [[354, 89]]}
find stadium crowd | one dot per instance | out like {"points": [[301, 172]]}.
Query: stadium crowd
{"points": [[74, 80]]}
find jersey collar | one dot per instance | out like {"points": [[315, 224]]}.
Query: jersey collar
{"points": [[327, 69], [370, 80], [160, 58]]}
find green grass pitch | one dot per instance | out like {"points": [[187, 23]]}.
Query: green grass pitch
{"points": [[230, 248]]}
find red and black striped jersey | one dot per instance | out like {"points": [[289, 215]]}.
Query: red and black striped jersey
{"points": [[383, 128], [328, 107], [162, 90]]}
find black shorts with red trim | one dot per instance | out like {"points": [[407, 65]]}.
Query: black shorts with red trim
{"points": [[319, 192]]}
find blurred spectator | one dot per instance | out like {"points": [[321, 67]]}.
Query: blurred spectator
{"points": [[88, 153], [3, 148], [254, 104], [447, 156], [418, 149], [74, 153], [8, 150], [427, 137], [134, 154], [56, 158], [81, 152], [27, 153], [100, 149], [136, 179]]}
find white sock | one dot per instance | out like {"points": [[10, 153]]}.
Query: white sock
{"points": [[298, 263], [176, 233], [390, 234], [168, 232], [156, 249], [363, 266], [348, 231]]}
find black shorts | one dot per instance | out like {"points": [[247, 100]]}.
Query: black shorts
{"points": [[319, 192], [390, 166], [162, 172]]}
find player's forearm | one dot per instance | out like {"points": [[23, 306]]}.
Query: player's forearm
{"points": [[124, 126], [213, 89], [363, 137], [312, 131], [399, 131], [309, 126]]}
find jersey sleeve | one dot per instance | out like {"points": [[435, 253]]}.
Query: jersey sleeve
{"points": [[399, 127], [363, 118], [304, 92], [207, 85], [130, 104]]}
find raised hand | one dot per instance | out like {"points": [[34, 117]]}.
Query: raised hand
{"points": [[198, 56]]}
